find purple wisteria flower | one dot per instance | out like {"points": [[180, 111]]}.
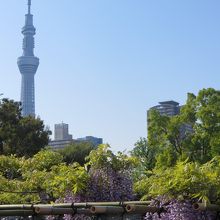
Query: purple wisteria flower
{"points": [[178, 210]]}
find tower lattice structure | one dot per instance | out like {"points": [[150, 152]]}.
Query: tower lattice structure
{"points": [[28, 64]]}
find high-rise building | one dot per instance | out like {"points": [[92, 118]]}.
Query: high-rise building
{"points": [[169, 108], [62, 138], [28, 64], [61, 132]]}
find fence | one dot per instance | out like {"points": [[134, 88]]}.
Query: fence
{"points": [[132, 210]]}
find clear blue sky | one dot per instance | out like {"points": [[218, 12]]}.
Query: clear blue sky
{"points": [[103, 63]]}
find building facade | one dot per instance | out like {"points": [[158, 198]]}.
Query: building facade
{"points": [[28, 64], [61, 132], [62, 138], [169, 108]]}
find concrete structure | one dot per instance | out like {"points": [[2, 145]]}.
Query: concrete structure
{"points": [[28, 65]]}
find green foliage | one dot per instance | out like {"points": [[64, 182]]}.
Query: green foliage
{"points": [[167, 139], [76, 152], [43, 160], [45, 178], [167, 158], [186, 180], [23, 136], [164, 137], [145, 157], [42, 178], [145, 154], [32, 137], [10, 166], [203, 113], [10, 115], [72, 178], [103, 157], [184, 165]]}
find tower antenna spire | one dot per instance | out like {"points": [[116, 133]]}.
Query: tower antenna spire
{"points": [[29, 6]]}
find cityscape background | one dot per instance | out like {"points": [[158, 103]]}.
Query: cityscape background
{"points": [[103, 64]]}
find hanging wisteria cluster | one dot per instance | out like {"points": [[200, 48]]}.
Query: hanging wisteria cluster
{"points": [[178, 210], [105, 184]]}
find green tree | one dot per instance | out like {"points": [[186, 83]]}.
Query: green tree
{"points": [[145, 155], [103, 157], [20, 135], [203, 112], [166, 137], [187, 165], [76, 152], [10, 115]]}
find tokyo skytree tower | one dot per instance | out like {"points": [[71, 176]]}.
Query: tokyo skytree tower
{"points": [[28, 64]]}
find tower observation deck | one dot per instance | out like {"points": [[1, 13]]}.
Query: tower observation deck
{"points": [[28, 64]]}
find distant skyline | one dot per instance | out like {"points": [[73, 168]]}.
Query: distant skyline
{"points": [[103, 64]]}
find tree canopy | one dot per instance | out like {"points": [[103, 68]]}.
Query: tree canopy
{"points": [[23, 136], [182, 163], [76, 152], [169, 139], [42, 178]]}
